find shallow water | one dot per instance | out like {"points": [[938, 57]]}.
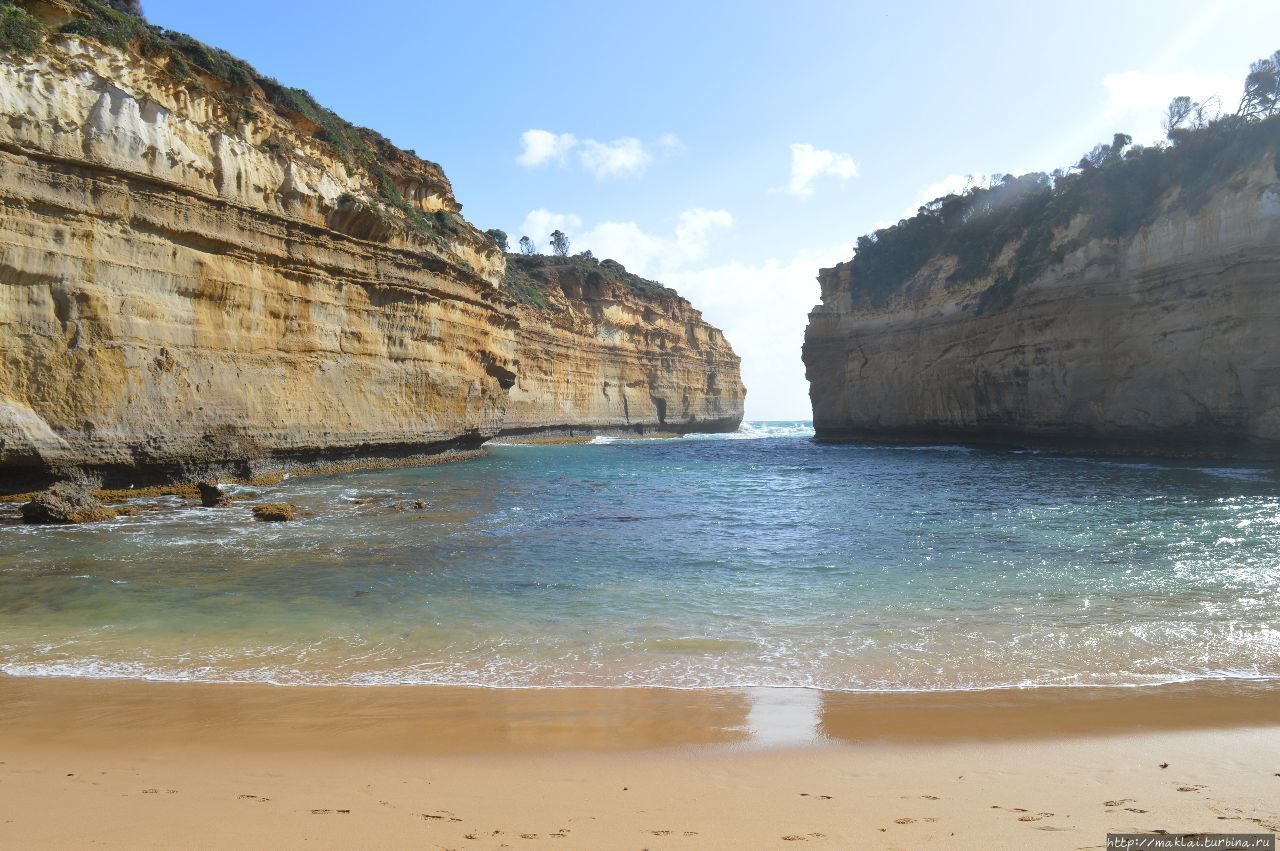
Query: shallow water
{"points": [[756, 559]]}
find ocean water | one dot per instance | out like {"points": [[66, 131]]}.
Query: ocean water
{"points": [[754, 559]]}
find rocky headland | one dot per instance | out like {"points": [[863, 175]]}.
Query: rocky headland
{"points": [[604, 351], [205, 274], [1129, 306]]}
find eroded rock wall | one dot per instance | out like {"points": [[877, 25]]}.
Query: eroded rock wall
{"points": [[1165, 342], [597, 355], [187, 283]]}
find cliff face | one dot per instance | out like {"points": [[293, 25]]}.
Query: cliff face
{"points": [[196, 279], [206, 273], [1160, 341], [602, 350]]}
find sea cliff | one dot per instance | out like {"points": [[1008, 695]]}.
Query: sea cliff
{"points": [[1129, 308], [204, 273], [606, 351]]}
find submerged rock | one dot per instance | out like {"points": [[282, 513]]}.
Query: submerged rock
{"points": [[66, 502], [211, 496], [275, 512]]}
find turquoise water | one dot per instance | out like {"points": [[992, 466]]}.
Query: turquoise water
{"points": [[760, 558]]}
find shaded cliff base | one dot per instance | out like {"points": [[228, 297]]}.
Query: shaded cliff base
{"points": [[584, 434], [125, 481], [1209, 443]]}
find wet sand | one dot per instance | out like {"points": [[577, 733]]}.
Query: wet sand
{"points": [[139, 765]]}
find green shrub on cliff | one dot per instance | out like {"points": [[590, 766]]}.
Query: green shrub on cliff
{"points": [[529, 283], [1116, 188], [20, 33], [118, 29]]}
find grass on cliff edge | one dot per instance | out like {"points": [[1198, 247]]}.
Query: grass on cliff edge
{"points": [[236, 83], [1120, 191], [529, 284]]}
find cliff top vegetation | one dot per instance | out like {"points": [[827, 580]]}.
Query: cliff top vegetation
{"points": [[529, 283], [1118, 187]]}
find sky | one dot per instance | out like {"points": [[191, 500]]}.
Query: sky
{"points": [[732, 149]]}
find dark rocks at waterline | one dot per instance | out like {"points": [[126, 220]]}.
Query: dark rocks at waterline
{"points": [[275, 512], [211, 496], [66, 502]]}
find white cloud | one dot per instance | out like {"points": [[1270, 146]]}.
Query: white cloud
{"points": [[543, 146], [809, 163], [624, 157], [1136, 100], [694, 228], [619, 158], [763, 310], [641, 252], [539, 224]]}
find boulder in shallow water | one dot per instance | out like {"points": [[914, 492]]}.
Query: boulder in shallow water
{"points": [[211, 496], [275, 512], [66, 502]]}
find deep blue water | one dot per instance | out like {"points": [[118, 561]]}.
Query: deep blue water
{"points": [[765, 559]]}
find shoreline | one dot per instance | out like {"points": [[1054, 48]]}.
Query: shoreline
{"points": [[159, 764], [465, 719]]}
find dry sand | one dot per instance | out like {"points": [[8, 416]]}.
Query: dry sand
{"points": [[154, 765]]}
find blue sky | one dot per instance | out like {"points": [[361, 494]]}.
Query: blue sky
{"points": [[730, 149]]}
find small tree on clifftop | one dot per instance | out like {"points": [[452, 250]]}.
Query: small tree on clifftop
{"points": [[526, 246], [499, 237], [559, 243], [1261, 89]]}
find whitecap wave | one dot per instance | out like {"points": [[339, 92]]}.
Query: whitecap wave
{"points": [[770, 430]]}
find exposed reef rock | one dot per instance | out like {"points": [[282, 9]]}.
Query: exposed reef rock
{"points": [[211, 496], [1132, 308], [202, 272], [66, 502], [606, 351], [275, 512]]}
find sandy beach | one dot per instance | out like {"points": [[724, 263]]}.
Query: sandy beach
{"points": [[159, 765]]}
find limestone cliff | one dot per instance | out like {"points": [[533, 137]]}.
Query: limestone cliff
{"points": [[203, 270], [602, 350], [1134, 307]]}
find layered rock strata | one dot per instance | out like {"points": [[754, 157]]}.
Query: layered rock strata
{"points": [[1164, 341], [195, 280], [604, 351]]}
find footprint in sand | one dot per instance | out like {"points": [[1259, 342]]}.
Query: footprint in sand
{"points": [[1133, 810], [660, 832], [440, 815], [528, 836], [1035, 816], [257, 798], [1119, 803], [931, 797], [903, 821], [691, 833], [1195, 788], [470, 836]]}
